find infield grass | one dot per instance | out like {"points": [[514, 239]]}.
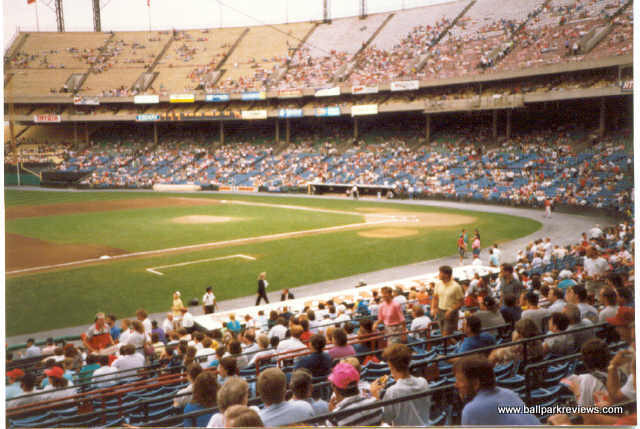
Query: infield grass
{"points": [[57, 299]]}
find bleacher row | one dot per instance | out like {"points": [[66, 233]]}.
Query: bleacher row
{"points": [[521, 170], [439, 41]]}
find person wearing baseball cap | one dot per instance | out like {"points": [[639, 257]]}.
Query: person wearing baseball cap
{"points": [[344, 381], [14, 378], [623, 321], [58, 386], [98, 336]]}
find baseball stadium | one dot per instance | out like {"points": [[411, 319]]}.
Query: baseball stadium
{"points": [[389, 214]]}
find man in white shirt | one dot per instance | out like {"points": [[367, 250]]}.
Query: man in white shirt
{"points": [[128, 361], [497, 252], [578, 295], [293, 342], [595, 232], [556, 298], [399, 297], [187, 320], [608, 297], [143, 317], [209, 301], [595, 267], [167, 324], [279, 329], [32, 349], [533, 312], [420, 322], [104, 375]]}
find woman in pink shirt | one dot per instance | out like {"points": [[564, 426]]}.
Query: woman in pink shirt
{"points": [[390, 313]]}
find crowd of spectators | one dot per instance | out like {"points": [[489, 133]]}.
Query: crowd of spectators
{"points": [[580, 295], [526, 169]]}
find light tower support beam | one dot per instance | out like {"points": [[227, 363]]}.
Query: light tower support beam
{"points": [[97, 26], [59, 16]]}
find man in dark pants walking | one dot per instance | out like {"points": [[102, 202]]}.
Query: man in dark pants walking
{"points": [[262, 288]]}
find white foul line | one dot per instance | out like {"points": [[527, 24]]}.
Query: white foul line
{"points": [[154, 269], [205, 245]]}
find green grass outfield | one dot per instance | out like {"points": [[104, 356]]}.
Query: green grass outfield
{"points": [[44, 301]]}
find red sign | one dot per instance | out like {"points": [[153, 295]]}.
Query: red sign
{"points": [[50, 118]]}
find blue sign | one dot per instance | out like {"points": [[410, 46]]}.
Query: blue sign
{"points": [[147, 117], [290, 113], [216, 98], [328, 111], [254, 95]]}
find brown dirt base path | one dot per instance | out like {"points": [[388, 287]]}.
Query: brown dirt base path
{"points": [[24, 252]]}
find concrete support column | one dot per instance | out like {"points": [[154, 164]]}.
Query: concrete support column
{"points": [[495, 125], [86, 132], [601, 129], [75, 133], [221, 132], [288, 130], [508, 123], [427, 128], [355, 128], [277, 130], [155, 133]]}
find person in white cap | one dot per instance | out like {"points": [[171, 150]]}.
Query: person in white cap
{"points": [[177, 304]]}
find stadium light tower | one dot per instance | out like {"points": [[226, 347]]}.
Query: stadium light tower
{"points": [[59, 16], [97, 27], [363, 9], [326, 11]]}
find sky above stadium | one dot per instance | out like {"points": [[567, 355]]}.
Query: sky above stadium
{"points": [[181, 14]]}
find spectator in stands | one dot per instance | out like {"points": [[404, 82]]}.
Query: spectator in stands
{"points": [[14, 377], [272, 385], [576, 322], [533, 312], [143, 317], [490, 315], [474, 338], [608, 298], [279, 329], [560, 345], [578, 295], [32, 350], [98, 336], [264, 351], [26, 397], [420, 322], [624, 360], [346, 394], [556, 298], [508, 284], [235, 391], [366, 331], [408, 413], [104, 376], [155, 329], [187, 320], [341, 348], [390, 314], [318, 361], [85, 374], [137, 336], [228, 367], [302, 388], [49, 348], [234, 349], [241, 416], [184, 395], [71, 352], [205, 391], [510, 311], [524, 328], [114, 330], [293, 343], [128, 362], [595, 356], [233, 325], [476, 384], [448, 298], [58, 387], [595, 269], [168, 324]]}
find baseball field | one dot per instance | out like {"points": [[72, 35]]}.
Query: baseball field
{"points": [[71, 254]]}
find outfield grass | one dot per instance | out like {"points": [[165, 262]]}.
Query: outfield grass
{"points": [[59, 299]]}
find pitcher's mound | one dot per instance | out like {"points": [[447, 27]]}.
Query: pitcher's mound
{"points": [[388, 232], [202, 219]]}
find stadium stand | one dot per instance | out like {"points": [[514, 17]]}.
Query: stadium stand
{"points": [[147, 397]]}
